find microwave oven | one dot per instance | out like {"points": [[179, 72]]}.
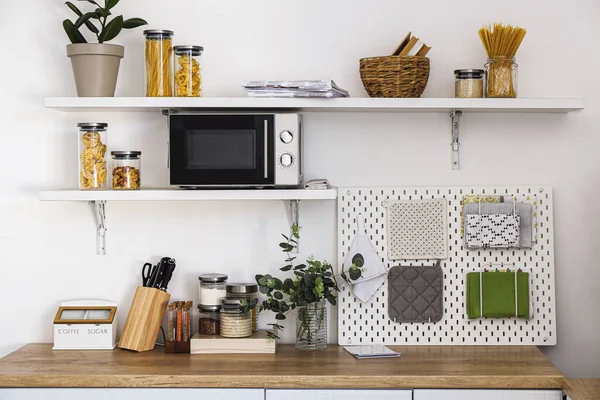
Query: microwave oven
{"points": [[222, 150]]}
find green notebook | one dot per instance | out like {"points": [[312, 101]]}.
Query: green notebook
{"points": [[498, 295]]}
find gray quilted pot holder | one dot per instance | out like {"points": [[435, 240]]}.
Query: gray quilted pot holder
{"points": [[416, 294]]}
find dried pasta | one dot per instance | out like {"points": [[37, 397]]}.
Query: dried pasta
{"points": [[126, 177], [93, 164], [158, 68], [187, 77]]}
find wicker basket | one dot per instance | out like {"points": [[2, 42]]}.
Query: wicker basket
{"points": [[394, 76]]}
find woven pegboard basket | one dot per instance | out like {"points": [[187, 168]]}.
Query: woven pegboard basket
{"points": [[394, 76]]}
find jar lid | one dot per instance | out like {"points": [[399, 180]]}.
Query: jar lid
{"points": [[233, 305], [126, 155], [92, 125], [242, 288], [469, 73], [202, 307], [152, 32], [196, 50], [213, 278]]}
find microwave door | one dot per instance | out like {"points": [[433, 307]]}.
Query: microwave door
{"points": [[222, 150]]}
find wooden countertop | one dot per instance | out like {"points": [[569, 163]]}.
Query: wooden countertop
{"points": [[36, 365], [583, 389]]}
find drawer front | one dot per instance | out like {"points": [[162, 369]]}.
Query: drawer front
{"points": [[309, 394], [422, 394], [132, 394]]}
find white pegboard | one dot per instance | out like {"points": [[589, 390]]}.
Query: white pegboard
{"points": [[368, 323]]}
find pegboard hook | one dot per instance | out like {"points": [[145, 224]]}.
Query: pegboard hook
{"points": [[456, 114]]}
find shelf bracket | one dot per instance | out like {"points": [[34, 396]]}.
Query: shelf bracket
{"points": [[455, 138], [99, 207], [294, 219]]}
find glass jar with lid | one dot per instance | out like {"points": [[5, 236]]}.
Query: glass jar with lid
{"points": [[247, 291], [126, 170], [236, 318], [210, 320], [502, 77], [158, 71], [212, 289], [468, 83], [92, 155], [188, 79]]}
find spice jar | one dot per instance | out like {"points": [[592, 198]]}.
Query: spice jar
{"points": [[502, 75], [212, 289], [209, 322], [236, 319], [159, 49], [187, 70], [468, 83], [126, 169], [92, 155], [247, 291]]}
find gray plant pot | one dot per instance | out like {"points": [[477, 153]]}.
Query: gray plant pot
{"points": [[95, 67]]}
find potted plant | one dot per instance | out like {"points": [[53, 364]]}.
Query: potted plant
{"points": [[314, 284], [96, 65]]}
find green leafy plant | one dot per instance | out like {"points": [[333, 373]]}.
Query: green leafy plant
{"points": [[312, 282], [98, 23]]}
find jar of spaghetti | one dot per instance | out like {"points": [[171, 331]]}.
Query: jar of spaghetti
{"points": [[92, 155], [187, 70], [502, 77], [126, 170], [158, 72], [247, 291]]}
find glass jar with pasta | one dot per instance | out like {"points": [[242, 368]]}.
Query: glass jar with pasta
{"points": [[92, 155], [126, 173], [188, 80], [159, 49]]}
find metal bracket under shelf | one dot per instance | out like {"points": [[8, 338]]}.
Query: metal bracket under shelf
{"points": [[293, 218], [456, 114], [99, 207]]}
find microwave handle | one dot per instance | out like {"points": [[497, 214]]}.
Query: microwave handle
{"points": [[168, 154], [266, 148]]}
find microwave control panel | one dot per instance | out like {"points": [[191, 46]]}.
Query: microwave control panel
{"points": [[288, 149]]}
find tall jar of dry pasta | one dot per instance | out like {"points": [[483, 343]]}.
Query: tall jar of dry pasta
{"points": [[92, 155], [187, 70], [159, 49]]}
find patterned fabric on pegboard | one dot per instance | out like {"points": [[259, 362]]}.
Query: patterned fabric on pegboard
{"points": [[493, 230], [417, 229]]}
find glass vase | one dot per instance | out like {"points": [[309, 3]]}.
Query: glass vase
{"points": [[311, 326], [502, 77]]}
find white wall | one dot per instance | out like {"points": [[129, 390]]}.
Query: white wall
{"points": [[48, 249]]}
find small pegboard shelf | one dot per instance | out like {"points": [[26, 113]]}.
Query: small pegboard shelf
{"points": [[368, 323]]}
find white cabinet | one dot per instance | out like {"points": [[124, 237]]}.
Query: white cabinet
{"points": [[132, 394], [346, 394], [422, 394]]}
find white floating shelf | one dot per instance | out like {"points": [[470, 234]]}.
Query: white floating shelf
{"points": [[186, 195], [156, 104]]}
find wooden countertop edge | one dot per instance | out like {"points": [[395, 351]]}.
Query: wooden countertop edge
{"points": [[582, 389], [283, 382]]}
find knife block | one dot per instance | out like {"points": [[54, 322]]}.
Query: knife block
{"points": [[144, 319]]}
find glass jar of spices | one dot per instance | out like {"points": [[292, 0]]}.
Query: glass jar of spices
{"points": [[158, 71], [468, 83], [126, 173], [502, 77], [236, 319], [92, 155], [187, 70], [247, 291], [210, 320], [212, 289]]}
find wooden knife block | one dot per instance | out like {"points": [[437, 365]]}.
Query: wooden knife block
{"points": [[144, 319]]}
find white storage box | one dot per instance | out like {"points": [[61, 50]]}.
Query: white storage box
{"points": [[86, 325]]}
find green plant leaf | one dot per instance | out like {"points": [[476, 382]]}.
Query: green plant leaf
{"points": [[74, 8], [258, 278], [299, 267], [278, 295], [286, 268], [100, 13], [73, 33], [272, 335], [111, 3], [280, 317], [91, 1], [83, 19], [112, 30], [132, 23], [263, 289], [299, 274], [288, 284], [332, 300]]}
